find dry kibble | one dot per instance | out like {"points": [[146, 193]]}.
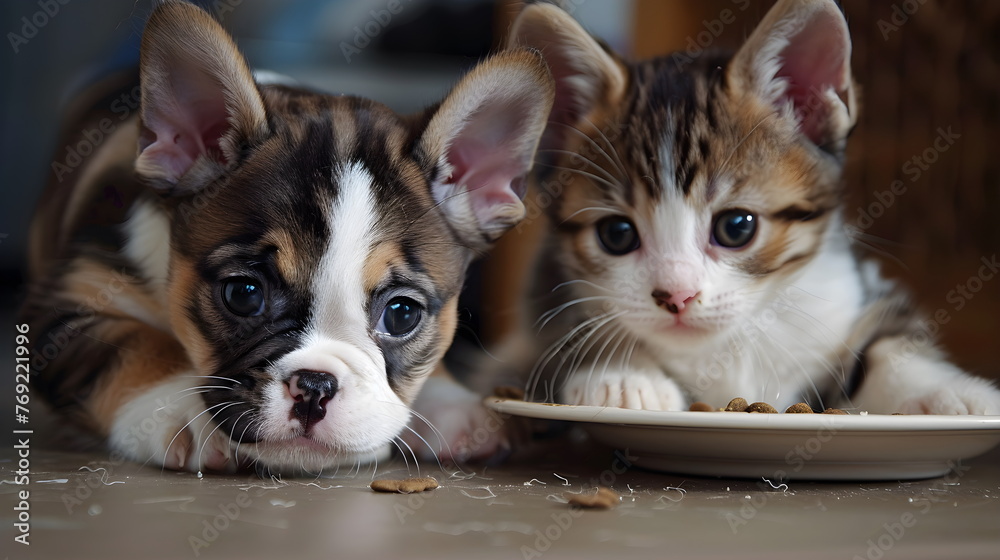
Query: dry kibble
{"points": [[701, 407], [405, 486], [509, 392], [605, 498], [739, 404], [762, 407], [799, 408]]}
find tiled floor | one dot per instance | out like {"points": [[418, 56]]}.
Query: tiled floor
{"points": [[82, 506]]}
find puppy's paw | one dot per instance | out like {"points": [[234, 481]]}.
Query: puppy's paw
{"points": [[168, 426], [450, 423], [639, 390]]}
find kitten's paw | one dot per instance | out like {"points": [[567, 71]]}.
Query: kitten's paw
{"points": [[639, 390], [924, 383], [454, 425], [167, 426], [954, 400]]}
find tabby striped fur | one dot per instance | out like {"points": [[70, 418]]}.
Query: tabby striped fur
{"points": [[669, 147]]}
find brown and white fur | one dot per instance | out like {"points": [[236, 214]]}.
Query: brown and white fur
{"points": [[647, 291], [283, 273]]}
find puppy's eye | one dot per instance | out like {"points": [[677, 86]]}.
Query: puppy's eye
{"points": [[399, 317], [734, 228], [618, 235], [243, 296]]}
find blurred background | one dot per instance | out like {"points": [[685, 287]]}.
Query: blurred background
{"points": [[922, 65]]}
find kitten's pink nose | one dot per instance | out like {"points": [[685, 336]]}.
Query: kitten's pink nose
{"points": [[676, 301]]}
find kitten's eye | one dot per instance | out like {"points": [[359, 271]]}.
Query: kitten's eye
{"points": [[399, 317], [243, 296], [734, 228], [618, 235]]}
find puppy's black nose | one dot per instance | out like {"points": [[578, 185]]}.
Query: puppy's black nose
{"points": [[311, 390]]}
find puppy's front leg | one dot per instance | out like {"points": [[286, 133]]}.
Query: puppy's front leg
{"points": [[168, 424], [451, 423], [149, 405]]}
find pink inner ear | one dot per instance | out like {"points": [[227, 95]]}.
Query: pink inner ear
{"points": [[186, 122], [814, 62], [488, 172]]}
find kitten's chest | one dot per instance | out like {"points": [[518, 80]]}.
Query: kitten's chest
{"points": [[795, 354], [749, 364]]}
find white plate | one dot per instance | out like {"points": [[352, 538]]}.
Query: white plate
{"points": [[779, 446]]}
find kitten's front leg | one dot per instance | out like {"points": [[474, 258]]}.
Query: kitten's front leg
{"points": [[901, 376], [639, 389]]}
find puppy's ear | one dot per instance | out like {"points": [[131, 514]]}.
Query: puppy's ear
{"points": [[482, 140], [588, 78], [798, 59], [201, 109]]}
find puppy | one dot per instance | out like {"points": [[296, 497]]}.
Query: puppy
{"points": [[245, 272]]}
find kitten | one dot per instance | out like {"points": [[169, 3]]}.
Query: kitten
{"points": [[696, 248]]}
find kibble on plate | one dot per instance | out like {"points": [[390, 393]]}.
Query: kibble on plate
{"points": [[799, 408], [762, 407], [404, 486], [739, 404]]}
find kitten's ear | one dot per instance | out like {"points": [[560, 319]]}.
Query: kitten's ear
{"points": [[482, 140], [587, 77], [799, 59], [200, 106]]}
